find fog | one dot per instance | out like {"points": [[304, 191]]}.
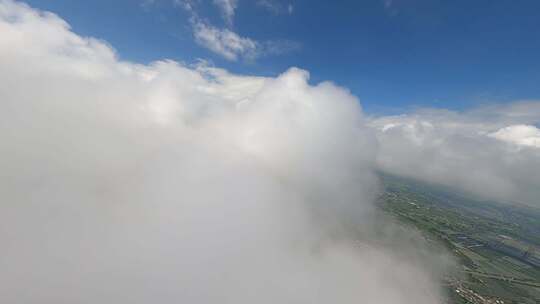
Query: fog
{"points": [[169, 182]]}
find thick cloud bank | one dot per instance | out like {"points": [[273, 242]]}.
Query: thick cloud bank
{"points": [[161, 183], [491, 151]]}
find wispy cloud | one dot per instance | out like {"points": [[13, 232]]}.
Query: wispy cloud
{"points": [[276, 7], [227, 8], [145, 4], [224, 42], [227, 43], [390, 7], [188, 5], [232, 46]]}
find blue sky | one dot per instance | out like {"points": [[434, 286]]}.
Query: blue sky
{"points": [[393, 54]]}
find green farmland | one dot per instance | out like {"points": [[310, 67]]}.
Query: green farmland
{"points": [[497, 246]]}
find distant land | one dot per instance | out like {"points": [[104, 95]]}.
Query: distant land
{"points": [[496, 245]]}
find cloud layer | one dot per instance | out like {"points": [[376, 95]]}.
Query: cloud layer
{"points": [[123, 182], [160, 183], [491, 151]]}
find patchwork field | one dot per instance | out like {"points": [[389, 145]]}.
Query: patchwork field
{"points": [[497, 246]]}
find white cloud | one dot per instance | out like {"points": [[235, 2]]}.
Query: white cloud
{"points": [[521, 135], [474, 151], [225, 42], [229, 44], [188, 5], [123, 182], [227, 8], [232, 46], [129, 183]]}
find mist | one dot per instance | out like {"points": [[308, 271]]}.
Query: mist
{"points": [[170, 182]]}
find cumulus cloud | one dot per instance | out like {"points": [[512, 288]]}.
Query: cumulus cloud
{"points": [[491, 151], [521, 135], [158, 183]]}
